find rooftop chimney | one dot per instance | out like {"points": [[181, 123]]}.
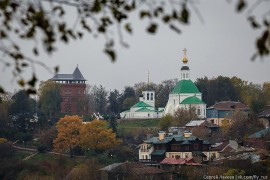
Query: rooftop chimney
{"points": [[187, 133], [161, 135]]}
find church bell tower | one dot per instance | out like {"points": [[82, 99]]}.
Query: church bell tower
{"points": [[185, 71]]}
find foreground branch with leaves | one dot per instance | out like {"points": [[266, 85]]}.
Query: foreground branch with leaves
{"points": [[43, 23]]}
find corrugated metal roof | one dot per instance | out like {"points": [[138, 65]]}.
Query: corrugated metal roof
{"points": [[158, 152], [260, 134], [180, 161], [195, 123]]}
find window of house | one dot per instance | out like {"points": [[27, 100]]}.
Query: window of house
{"points": [[152, 96], [142, 156], [186, 155], [147, 96], [196, 146], [146, 157], [172, 156], [175, 147]]}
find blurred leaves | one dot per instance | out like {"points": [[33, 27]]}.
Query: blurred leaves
{"points": [[152, 28], [240, 6], [47, 26], [111, 53]]}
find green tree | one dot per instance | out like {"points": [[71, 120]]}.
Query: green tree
{"points": [[165, 122], [266, 91], [100, 99], [128, 98], [217, 89], [68, 134], [183, 116], [202, 85], [163, 90], [113, 123], [5, 101], [22, 110], [114, 102], [49, 98]]}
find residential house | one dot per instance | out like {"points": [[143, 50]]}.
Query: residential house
{"points": [[259, 140], [176, 163], [202, 125], [72, 92], [132, 170], [222, 111], [154, 150]]}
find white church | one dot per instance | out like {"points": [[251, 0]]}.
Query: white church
{"points": [[185, 94], [144, 109]]}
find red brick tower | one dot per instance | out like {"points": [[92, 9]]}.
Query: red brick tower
{"points": [[72, 92]]}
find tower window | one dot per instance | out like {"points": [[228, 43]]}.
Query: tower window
{"points": [[147, 96], [152, 96]]}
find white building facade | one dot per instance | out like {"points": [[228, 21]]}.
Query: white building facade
{"points": [[144, 109]]}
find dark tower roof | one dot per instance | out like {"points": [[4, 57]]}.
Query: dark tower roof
{"points": [[76, 76], [184, 68]]}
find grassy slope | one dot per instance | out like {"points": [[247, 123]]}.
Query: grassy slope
{"points": [[135, 127]]}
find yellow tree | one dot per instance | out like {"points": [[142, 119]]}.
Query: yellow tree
{"points": [[97, 136], [68, 133]]}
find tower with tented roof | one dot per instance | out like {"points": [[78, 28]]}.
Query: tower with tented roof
{"points": [[72, 91]]}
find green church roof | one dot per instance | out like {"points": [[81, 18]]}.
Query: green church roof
{"points": [[141, 104], [144, 109], [192, 100], [185, 86]]}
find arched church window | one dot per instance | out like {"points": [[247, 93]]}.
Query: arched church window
{"points": [[199, 111], [152, 96], [147, 96]]}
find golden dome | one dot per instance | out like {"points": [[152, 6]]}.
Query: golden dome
{"points": [[185, 60]]}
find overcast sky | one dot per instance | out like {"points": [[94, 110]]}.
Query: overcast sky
{"points": [[222, 45]]}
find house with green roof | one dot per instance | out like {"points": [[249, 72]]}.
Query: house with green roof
{"points": [[144, 109], [185, 94]]}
